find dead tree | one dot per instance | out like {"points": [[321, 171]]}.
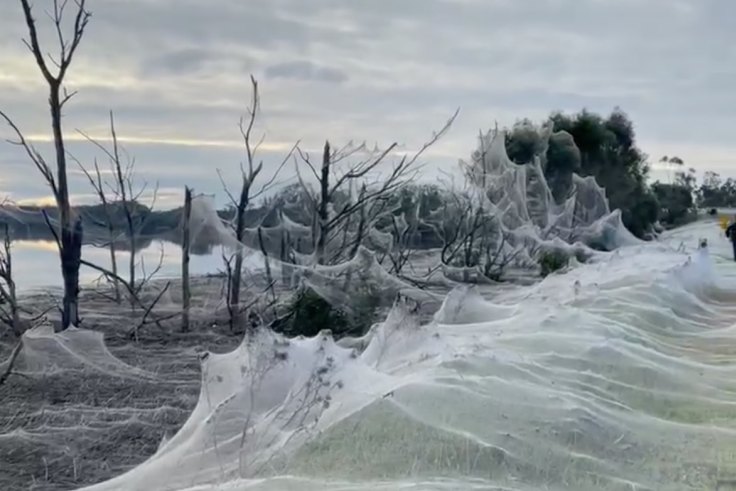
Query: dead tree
{"points": [[185, 243], [338, 174], [249, 173], [404, 232], [126, 198], [98, 185], [9, 310], [69, 235], [473, 237]]}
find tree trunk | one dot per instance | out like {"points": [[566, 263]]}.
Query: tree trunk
{"points": [[286, 269], [71, 257], [234, 299], [70, 235], [131, 269], [131, 240], [13, 300], [114, 265], [323, 205], [14, 311], [235, 289], [269, 277], [186, 294], [361, 226]]}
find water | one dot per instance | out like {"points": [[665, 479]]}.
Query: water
{"points": [[36, 263], [618, 375]]}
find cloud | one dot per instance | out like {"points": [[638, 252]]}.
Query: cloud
{"points": [[176, 73], [305, 70], [177, 62]]}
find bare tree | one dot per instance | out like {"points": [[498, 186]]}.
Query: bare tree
{"points": [[249, 173], [404, 232], [338, 174], [473, 237], [69, 235], [9, 310], [127, 199], [98, 185]]}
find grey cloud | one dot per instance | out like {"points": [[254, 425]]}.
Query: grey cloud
{"points": [[305, 70], [201, 24], [177, 62], [410, 63]]}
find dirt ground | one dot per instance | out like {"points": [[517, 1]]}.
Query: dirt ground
{"points": [[75, 428]]}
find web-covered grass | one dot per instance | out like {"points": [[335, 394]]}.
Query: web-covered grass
{"points": [[72, 428]]}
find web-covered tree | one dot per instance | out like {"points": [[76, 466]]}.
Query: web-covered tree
{"points": [[591, 145]]}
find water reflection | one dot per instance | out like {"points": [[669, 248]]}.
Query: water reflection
{"points": [[36, 262]]}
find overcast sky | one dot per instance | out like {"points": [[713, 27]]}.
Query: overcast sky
{"points": [[176, 74]]}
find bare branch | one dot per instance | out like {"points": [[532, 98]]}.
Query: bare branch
{"points": [[66, 49], [226, 189], [35, 157], [268, 184], [147, 313], [34, 45], [305, 188], [362, 169], [52, 228], [305, 158]]}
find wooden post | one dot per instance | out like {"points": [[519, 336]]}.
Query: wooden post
{"points": [[186, 294]]}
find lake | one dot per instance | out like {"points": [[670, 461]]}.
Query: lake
{"points": [[36, 262]]}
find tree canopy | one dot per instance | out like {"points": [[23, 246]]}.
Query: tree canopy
{"points": [[714, 192], [591, 145]]}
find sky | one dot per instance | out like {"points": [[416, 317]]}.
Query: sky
{"points": [[176, 74]]}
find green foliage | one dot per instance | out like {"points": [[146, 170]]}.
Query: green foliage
{"points": [[563, 158], [641, 212], [524, 142], [716, 193], [551, 261], [604, 148], [309, 314], [560, 157], [676, 203]]}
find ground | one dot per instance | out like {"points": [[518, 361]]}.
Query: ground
{"points": [[71, 429]]}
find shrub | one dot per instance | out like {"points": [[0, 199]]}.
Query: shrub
{"points": [[309, 313], [552, 261]]}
